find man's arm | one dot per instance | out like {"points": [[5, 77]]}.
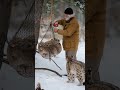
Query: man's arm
{"points": [[61, 22], [69, 31]]}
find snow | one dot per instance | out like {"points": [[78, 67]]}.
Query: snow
{"points": [[11, 80], [51, 81]]}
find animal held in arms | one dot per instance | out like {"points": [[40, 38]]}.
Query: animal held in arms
{"points": [[50, 48]]}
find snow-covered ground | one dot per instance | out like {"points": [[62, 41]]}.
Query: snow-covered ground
{"points": [[49, 80]]}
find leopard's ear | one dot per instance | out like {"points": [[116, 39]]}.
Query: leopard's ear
{"points": [[67, 57], [72, 57]]}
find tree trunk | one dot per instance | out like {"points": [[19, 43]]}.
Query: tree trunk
{"points": [[5, 8], [38, 13]]}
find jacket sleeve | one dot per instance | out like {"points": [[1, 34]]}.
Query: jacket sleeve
{"points": [[61, 22], [69, 31]]}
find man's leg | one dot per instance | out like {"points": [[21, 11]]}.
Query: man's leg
{"points": [[71, 54], [71, 77]]}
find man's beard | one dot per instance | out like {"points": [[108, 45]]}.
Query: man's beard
{"points": [[69, 16]]}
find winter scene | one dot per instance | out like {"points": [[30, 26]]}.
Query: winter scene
{"points": [[18, 59], [17, 71], [53, 71]]}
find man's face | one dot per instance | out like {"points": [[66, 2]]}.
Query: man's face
{"points": [[66, 16]]}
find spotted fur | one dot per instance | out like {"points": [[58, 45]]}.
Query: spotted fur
{"points": [[75, 69]]}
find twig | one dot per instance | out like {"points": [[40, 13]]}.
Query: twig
{"points": [[51, 59], [49, 70], [37, 51], [56, 64]]}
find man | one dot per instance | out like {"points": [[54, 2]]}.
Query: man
{"points": [[70, 33]]}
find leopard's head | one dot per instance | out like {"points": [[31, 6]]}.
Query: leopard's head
{"points": [[69, 58]]}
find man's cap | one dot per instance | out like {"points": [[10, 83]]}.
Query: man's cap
{"points": [[68, 11]]}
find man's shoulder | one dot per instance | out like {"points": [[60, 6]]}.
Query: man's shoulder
{"points": [[61, 20], [74, 20]]}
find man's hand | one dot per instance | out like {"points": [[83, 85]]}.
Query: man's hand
{"points": [[55, 24], [55, 30]]}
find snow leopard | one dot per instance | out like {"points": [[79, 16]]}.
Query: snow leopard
{"points": [[75, 69], [50, 48]]}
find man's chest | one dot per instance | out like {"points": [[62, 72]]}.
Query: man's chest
{"points": [[66, 25]]}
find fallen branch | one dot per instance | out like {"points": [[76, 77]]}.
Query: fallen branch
{"points": [[52, 61], [49, 70], [56, 64], [64, 75], [37, 51]]}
